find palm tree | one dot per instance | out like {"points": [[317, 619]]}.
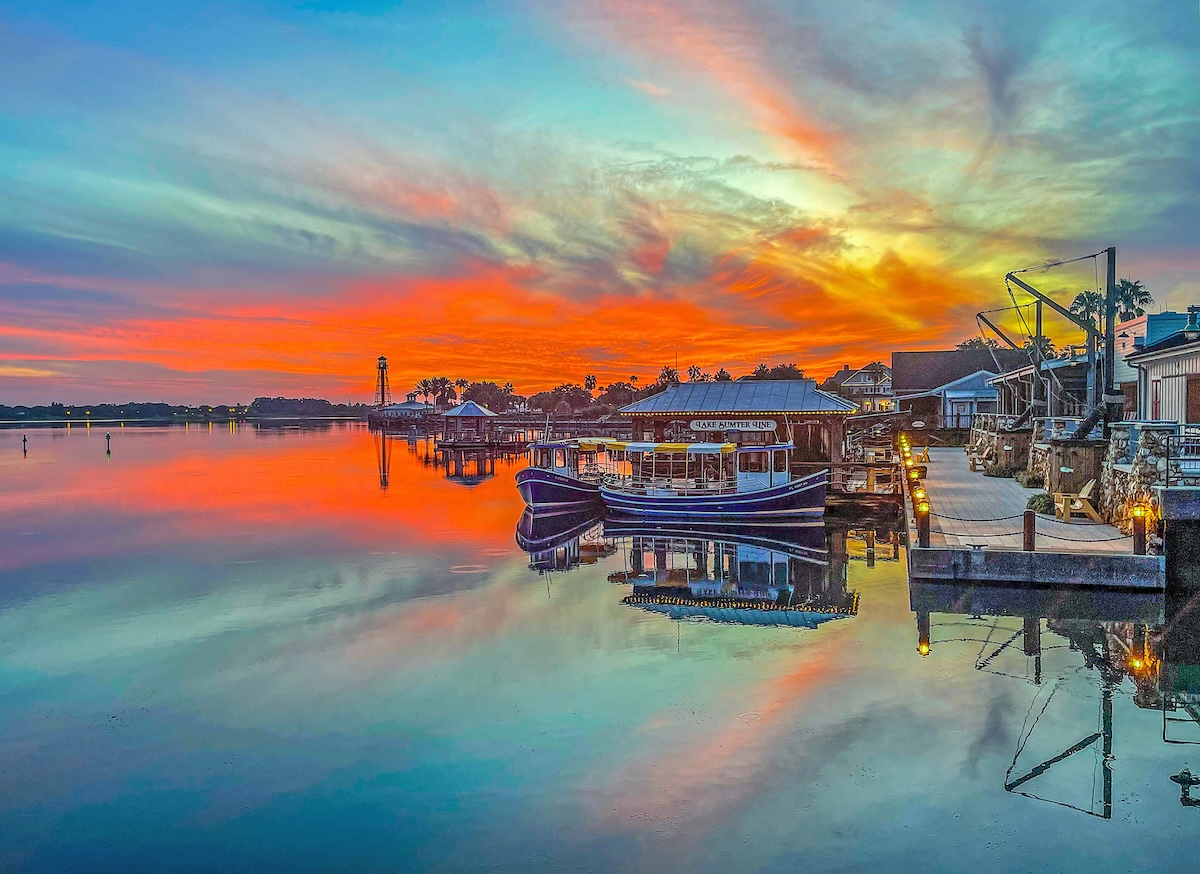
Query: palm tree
{"points": [[633, 380], [589, 382], [1088, 305], [425, 388], [1132, 299], [462, 383], [508, 388]]}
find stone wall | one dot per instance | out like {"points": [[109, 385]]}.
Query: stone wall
{"points": [[1125, 485]]}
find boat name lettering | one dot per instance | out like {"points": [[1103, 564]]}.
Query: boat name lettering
{"points": [[733, 425]]}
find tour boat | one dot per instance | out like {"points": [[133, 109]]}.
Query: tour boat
{"points": [[563, 476], [710, 482]]}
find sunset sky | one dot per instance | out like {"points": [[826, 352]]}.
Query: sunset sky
{"points": [[213, 201]]}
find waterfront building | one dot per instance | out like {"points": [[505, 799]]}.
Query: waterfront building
{"points": [[409, 409], [921, 382], [869, 387], [1134, 336], [1168, 375], [955, 404], [747, 411]]}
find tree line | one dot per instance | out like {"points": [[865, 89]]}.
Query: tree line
{"points": [[587, 398]]}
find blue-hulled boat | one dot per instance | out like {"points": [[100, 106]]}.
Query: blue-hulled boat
{"points": [[710, 482], [563, 476]]}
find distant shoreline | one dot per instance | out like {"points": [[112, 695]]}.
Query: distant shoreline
{"points": [[87, 420]]}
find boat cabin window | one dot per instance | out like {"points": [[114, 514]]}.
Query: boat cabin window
{"points": [[560, 458], [753, 462], [781, 464], [545, 458]]}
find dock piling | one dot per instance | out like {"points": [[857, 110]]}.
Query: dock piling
{"points": [[1029, 543]]}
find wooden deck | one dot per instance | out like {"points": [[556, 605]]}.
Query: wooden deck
{"points": [[957, 494]]}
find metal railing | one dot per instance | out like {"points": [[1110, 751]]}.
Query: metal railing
{"points": [[1183, 459]]}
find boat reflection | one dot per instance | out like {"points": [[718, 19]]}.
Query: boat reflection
{"points": [[741, 574], [1143, 637], [562, 541]]}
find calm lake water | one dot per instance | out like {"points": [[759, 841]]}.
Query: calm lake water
{"points": [[233, 650]]}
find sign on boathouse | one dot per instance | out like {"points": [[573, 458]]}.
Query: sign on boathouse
{"points": [[733, 424]]}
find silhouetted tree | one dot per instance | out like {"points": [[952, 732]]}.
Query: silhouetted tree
{"points": [[977, 343], [1132, 299], [1088, 305]]}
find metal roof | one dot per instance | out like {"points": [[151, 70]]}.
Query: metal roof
{"points": [[469, 409], [743, 396]]}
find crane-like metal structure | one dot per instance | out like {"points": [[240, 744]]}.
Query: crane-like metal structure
{"points": [[1103, 400]]}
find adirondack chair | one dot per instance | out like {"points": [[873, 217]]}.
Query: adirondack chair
{"points": [[1067, 504], [921, 456]]}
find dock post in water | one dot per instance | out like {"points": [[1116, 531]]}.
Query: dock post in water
{"points": [[923, 524]]}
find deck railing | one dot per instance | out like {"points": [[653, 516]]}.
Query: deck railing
{"points": [[878, 478], [1183, 459]]}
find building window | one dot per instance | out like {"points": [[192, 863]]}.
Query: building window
{"points": [[1155, 400]]}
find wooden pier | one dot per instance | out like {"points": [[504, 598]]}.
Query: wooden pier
{"points": [[976, 533]]}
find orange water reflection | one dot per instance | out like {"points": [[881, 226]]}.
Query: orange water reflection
{"points": [[238, 487]]}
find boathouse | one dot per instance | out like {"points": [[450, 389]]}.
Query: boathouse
{"points": [[468, 422], [748, 412]]}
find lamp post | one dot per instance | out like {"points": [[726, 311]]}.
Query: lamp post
{"points": [[1139, 529]]}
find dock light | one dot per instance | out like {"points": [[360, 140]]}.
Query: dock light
{"points": [[914, 475], [1136, 664], [919, 493], [923, 649], [1139, 510], [908, 462], [923, 508]]}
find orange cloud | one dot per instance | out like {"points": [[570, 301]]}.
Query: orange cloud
{"points": [[792, 298]]}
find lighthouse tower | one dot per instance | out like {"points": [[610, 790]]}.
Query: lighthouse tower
{"points": [[383, 391]]}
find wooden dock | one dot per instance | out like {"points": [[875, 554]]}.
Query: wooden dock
{"points": [[960, 497], [976, 535]]}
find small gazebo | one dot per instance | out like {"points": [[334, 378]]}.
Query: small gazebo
{"points": [[468, 421]]}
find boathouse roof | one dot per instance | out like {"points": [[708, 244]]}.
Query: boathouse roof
{"points": [[743, 396], [919, 372], [974, 383], [469, 409]]}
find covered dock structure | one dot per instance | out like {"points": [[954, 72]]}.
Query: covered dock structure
{"points": [[747, 412]]}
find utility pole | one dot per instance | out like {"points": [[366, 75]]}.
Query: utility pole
{"points": [[1114, 404]]}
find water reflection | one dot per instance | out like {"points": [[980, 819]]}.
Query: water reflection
{"points": [[1109, 637], [238, 642], [752, 575]]}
